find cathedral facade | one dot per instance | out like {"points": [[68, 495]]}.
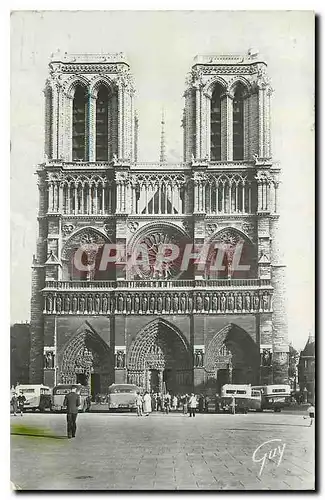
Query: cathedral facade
{"points": [[185, 327]]}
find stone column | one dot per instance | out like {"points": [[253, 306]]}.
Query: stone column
{"points": [[261, 122], [60, 188], [54, 119], [160, 379], [267, 123], [120, 121], [206, 127], [91, 127], [247, 125], [226, 127], [198, 122], [50, 197]]}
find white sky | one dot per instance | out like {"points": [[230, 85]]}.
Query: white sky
{"points": [[160, 47]]}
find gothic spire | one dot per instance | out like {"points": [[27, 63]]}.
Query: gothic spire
{"points": [[162, 138]]}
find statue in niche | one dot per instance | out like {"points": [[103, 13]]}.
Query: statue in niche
{"points": [[183, 303], [266, 302], [97, 303], [49, 303], [128, 303], [90, 304], [199, 303], [223, 303], [136, 304], [247, 302], [104, 304], [67, 304], [58, 304], [167, 303], [214, 302], [74, 304], [112, 301], [120, 303], [175, 303], [82, 304], [152, 303], [266, 357], [198, 358], [256, 301], [159, 304], [190, 304], [207, 302], [144, 303], [120, 359], [49, 359], [239, 302], [230, 302]]}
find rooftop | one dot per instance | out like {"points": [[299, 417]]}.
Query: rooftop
{"points": [[117, 57], [251, 56]]}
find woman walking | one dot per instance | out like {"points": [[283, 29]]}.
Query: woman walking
{"points": [[147, 404]]}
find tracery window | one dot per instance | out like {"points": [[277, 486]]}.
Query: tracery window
{"points": [[238, 123], [102, 124], [216, 124], [79, 123]]}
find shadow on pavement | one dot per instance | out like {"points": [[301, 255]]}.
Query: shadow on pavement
{"points": [[37, 435]]}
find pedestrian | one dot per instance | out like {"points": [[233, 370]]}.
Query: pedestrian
{"points": [[233, 405], [139, 403], [72, 402], [159, 404], [146, 404], [175, 402], [167, 402], [201, 403], [311, 412], [14, 403], [192, 404], [185, 404], [21, 400]]}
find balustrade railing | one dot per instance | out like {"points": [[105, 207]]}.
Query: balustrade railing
{"points": [[157, 284]]}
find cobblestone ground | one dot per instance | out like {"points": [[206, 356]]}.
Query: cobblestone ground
{"points": [[126, 452]]}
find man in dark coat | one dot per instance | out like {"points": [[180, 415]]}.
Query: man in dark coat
{"points": [[72, 401]]}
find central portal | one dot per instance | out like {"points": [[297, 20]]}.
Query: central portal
{"points": [[160, 359], [160, 380]]}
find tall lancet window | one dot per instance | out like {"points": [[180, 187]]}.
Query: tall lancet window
{"points": [[216, 124], [79, 124], [238, 123], [102, 124]]}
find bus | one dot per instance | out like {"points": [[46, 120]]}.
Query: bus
{"points": [[38, 396], [274, 397], [61, 390], [122, 397], [243, 396]]}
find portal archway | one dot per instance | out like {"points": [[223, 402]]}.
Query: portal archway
{"points": [[88, 360], [232, 357], [159, 358]]}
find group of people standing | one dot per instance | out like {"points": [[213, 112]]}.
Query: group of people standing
{"points": [[18, 403], [165, 403]]}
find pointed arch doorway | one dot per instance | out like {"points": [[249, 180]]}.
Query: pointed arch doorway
{"points": [[86, 359], [232, 357], [160, 359]]}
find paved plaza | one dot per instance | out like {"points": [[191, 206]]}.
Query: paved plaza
{"points": [[126, 452]]}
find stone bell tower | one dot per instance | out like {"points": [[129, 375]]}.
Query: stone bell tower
{"points": [[227, 136], [90, 135]]}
